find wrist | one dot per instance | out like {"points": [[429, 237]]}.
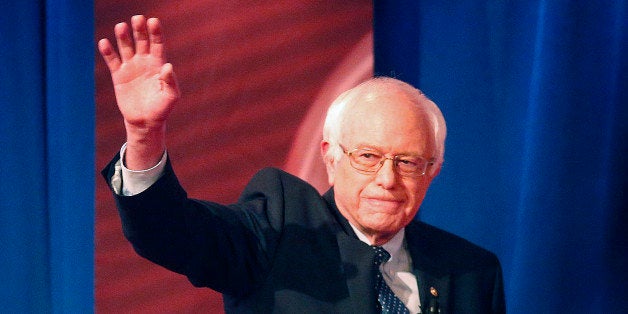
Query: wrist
{"points": [[145, 146]]}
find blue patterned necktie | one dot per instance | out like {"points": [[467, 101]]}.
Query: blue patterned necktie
{"points": [[388, 301]]}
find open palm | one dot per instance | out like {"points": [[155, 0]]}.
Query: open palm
{"points": [[144, 83]]}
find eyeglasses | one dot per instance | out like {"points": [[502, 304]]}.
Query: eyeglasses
{"points": [[369, 160]]}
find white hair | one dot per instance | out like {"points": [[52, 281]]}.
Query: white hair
{"points": [[332, 129]]}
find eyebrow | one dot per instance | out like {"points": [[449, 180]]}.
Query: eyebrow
{"points": [[373, 147]]}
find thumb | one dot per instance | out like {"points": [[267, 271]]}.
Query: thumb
{"points": [[169, 80]]}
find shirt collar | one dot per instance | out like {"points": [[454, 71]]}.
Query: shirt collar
{"points": [[392, 247]]}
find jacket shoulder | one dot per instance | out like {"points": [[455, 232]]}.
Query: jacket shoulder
{"points": [[447, 250], [275, 182], [287, 198]]}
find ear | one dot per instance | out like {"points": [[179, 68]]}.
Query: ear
{"points": [[330, 165], [434, 172]]}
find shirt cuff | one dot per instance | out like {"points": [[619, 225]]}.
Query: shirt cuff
{"points": [[137, 181]]}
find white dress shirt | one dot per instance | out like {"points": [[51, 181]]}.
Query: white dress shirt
{"points": [[129, 182]]}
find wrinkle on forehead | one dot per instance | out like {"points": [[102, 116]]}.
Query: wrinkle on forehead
{"points": [[390, 118]]}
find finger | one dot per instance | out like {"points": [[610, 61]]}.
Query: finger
{"points": [[168, 80], [156, 38], [140, 34], [109, 55], [125, 43]]}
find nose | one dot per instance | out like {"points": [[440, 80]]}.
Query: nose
{"points": [[386, 177]]}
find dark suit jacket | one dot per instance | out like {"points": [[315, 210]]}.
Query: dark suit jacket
{"points": [[283, 248]]}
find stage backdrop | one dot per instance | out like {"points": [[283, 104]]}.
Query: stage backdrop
{"points": [[47, 168], [249, 72], [535, 94]]}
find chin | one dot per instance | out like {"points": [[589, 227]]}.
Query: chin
{"points": [[385, 228]]}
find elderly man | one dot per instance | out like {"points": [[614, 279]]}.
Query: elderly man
{"points": [[283, 247]]}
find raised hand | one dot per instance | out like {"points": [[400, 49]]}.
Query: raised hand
{"points": [[145, 87]]}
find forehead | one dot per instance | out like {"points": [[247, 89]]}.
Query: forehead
{"points": [[390, 121]]}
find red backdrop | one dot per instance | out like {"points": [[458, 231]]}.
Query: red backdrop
{"points": [[256, 78]]}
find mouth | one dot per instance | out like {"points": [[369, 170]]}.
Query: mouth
{"points": [[382, 204]]}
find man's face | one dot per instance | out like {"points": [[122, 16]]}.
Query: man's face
{"points": [[382, 203]]}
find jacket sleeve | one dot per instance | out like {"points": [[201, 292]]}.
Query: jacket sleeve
{"points": [[228, 248]]}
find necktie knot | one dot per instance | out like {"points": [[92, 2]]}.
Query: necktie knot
{"points": [[388, 302], [381, 255]]}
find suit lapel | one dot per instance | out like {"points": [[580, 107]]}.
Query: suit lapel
{"points": [[433, 280], [434, 291], [357, 265]]}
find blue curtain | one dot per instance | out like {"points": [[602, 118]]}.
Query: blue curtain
{"points": [[47, 171], [535, 94]]}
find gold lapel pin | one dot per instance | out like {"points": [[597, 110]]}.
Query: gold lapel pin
{"points": [[434, 292]]}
